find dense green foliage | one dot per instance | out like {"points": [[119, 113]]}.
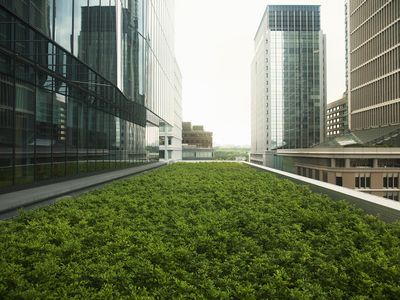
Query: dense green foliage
{"points": [[199, 231], [230, 153]]}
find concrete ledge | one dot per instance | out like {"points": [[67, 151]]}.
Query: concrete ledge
{"points": [[14, 200], [385, 209]]}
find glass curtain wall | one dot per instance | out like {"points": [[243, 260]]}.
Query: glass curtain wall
{"points": [[295, 81], [58, 116]]}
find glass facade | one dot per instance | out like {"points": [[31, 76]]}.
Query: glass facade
{"points": [[288, 88], [74, 86], [295, 97]]}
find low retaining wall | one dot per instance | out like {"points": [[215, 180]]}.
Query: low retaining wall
{"points": [[385, 209]]}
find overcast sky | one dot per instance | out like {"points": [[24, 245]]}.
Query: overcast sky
{"points": [[214, 48]]}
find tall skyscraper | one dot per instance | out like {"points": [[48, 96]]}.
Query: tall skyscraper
{"points": [[373, 52], [84, 86], [288, 79]]}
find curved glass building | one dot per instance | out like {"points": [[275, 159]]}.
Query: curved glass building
{"points": [[84, 85]]}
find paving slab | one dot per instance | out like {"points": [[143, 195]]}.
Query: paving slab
{"points": [[10, 202]]}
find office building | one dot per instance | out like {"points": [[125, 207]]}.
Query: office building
{"points": [[288, 80], [373, 45], [196, 135], [84, 86], [337, 118], [197, 143]]}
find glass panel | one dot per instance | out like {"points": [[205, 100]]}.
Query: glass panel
{"points": [[24, 72], [63, 23], [41, 15], [106, 131], [6, 130], [5, 29], [44, 128], [92, 139], [100, 142], [59, 135], [72, 137], [79, 20], [24, 132], [368, 182], [82, 140], [21, 38]]}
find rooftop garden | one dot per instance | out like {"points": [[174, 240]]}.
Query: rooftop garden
{"points": [[199, 231]]}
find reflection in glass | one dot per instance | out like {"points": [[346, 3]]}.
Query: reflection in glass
{"points": [[82, 137], [72, 137], [63, 23], [59, 135], [92, 139], [41, 15], [44, 129], [24, 132], [6, 130], [295, 89]]}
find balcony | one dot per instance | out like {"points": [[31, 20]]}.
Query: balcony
{"points": [[201, 231]]}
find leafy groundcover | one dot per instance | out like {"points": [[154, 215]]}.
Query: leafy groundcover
{"points": [[199, 231]]}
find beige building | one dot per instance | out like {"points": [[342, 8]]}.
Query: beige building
{"points": [[372, 170], [373, 46], [336, 118]]}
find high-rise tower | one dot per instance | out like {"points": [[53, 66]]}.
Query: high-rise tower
{"points": [[288, 79], [373, 39]]}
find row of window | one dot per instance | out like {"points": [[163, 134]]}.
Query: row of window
{"points": [[377, 92], [336, 108], [335, 132], [333, 121], [335, 126], [375, 117], [380, 43], [353, 5], [379, 21], [361, 181], [332, 115], [379, 67], [295, 19], [364, 11]]}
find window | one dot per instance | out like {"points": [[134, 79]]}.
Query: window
{"points": [[389, 163], [362, 181], [357, 163], [391, 181], [340, 163], [339, 180]]}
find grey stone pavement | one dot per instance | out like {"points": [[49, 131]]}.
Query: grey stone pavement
{"points": [[47, 194]]}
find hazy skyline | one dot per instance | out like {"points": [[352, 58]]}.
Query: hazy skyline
{"points": [[214, 48]]}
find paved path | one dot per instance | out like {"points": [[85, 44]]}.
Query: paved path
{"points": [[29, 198]]}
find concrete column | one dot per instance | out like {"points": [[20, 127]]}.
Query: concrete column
{"points": [[375, 163], [333, 163], [347, 163]]}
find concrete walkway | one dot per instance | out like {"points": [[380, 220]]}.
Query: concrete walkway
{"points": [[28, 198]]}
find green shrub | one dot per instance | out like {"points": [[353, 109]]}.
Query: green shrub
{"points": [[199, 231]]}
